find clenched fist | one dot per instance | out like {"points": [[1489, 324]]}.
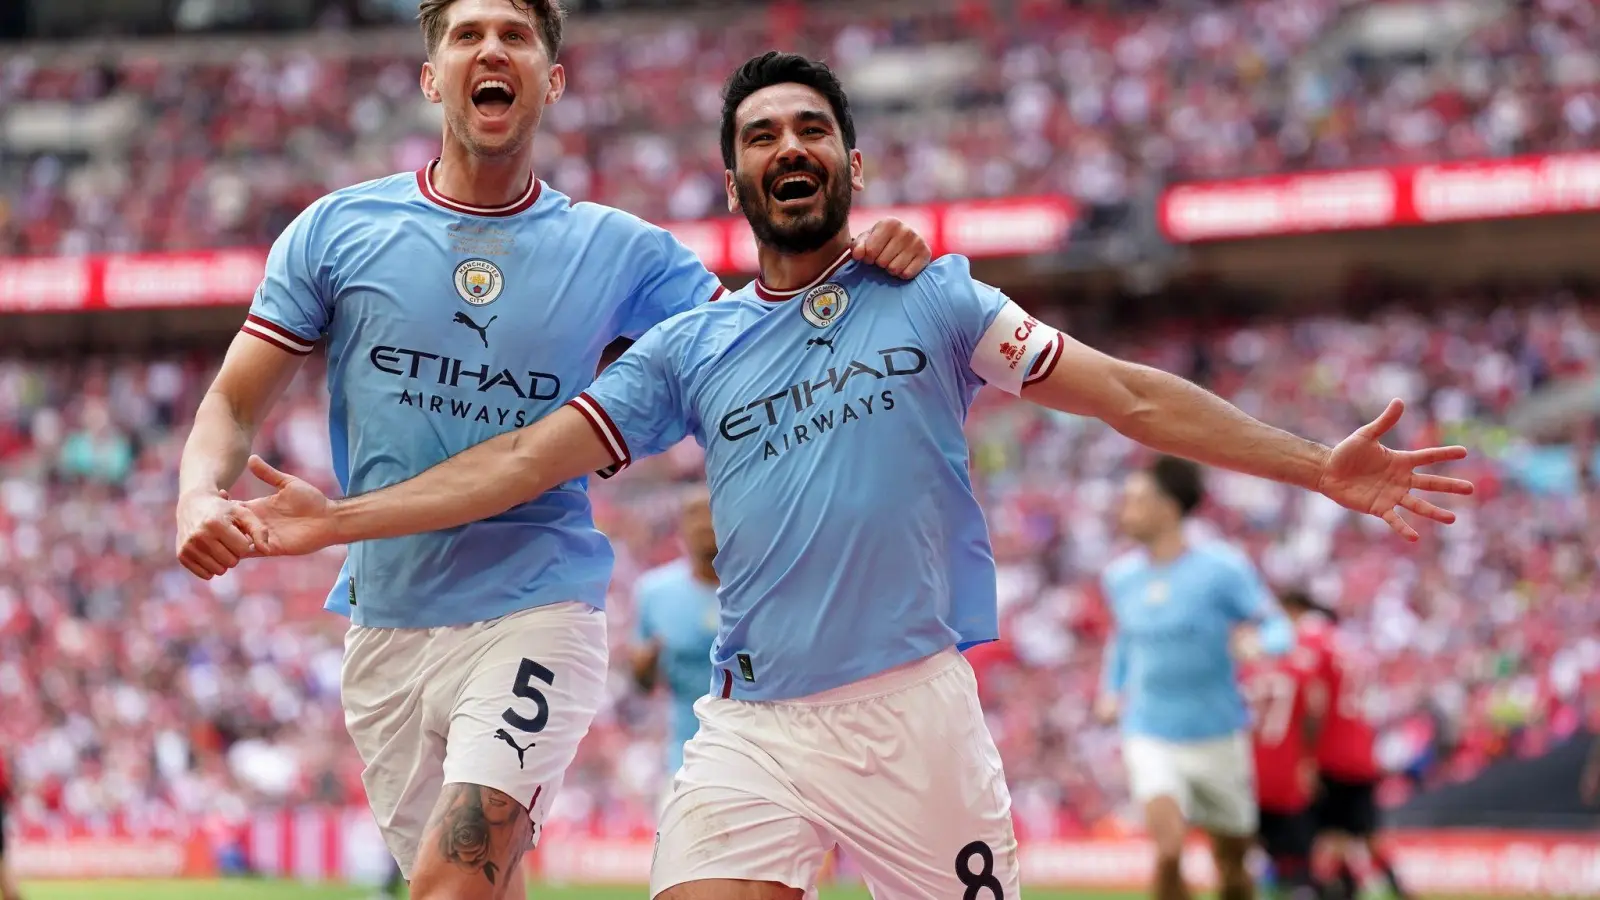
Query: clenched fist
{"points": [[214, 532]]}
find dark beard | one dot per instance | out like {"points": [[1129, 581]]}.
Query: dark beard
{"points": [[795, 235]]}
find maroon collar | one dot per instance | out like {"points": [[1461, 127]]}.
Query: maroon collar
{"points": [[521, 204], [772, 296]]}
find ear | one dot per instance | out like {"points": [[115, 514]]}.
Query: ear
{"points": [[429, 89], [733, 191], [857, 182], [558, 84]]}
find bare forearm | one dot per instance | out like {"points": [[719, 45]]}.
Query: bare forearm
{"points": [[1175, 416], [478, 483], [218, 447]]}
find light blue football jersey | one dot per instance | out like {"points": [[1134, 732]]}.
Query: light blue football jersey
{"points": [[679, 611], [849, 538], [446, 325], [1171, 658]]}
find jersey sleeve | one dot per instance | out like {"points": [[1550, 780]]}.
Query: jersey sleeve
{"points": [[1001, 344], [636, 405], [674, 280], [291, 309]]}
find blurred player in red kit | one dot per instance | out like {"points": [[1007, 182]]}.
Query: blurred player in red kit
{"points": [[1287, 702], [8, 885], [1346, 808]]}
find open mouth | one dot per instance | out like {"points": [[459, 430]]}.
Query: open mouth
{"points": [[795, 188], [493, 97]]}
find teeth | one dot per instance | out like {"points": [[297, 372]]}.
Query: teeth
{"points": [[793, 179], [493, 84]]}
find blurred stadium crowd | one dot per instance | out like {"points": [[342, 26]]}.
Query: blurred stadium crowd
{"points": [[130, 689], [121, 700], [955, 99]]}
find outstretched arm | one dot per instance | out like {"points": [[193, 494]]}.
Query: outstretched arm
{"points": [[1169, 414], [482, 481]]}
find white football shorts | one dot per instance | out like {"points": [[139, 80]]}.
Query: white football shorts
{"points": [[897, 769], [501, 704], [1213, 781]]}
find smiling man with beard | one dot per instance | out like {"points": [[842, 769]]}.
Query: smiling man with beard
{"points": [[457, 302], [855, 566]]}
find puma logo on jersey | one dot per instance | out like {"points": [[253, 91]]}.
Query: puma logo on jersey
{"points": [[821, 342], [482, 330], [503, 735]]}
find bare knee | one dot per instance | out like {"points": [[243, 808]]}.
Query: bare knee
{"points": [[1164, 821], [472, 846], [730, 889]]}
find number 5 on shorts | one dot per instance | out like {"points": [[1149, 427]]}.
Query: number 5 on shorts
{"points": [[524, 688]]}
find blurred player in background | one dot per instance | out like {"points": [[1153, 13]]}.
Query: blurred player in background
{"points": [[457, 302], [1589, 785], [1287, 702], [1170, 677], [1346, 810], [8, 884], [676, 607], [853, 557]]}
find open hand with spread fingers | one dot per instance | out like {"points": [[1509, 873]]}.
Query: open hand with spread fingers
{"points": [[1363, 475]]}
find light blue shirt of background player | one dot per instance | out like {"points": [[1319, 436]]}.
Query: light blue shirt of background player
{"points": [[675, 610], [1176, 602]]}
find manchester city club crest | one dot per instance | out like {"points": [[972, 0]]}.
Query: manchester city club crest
{"points": [[479, 281], [824, 304]]}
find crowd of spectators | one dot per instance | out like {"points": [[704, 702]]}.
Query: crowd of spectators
{"points": [[132, 689], [956, 98]]}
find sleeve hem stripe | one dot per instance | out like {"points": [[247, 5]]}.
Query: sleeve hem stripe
{"points": [[1046, 363], [606, 429], [277, 335]]}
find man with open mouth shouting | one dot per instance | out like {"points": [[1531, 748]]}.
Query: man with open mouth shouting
{"points": [[457, 303]]}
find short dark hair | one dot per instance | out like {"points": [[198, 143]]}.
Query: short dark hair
{"points": [[1179, 479], [548, 15], [1297, 599], [772, 68]]}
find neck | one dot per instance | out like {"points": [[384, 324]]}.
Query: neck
{"points": [[482, 181], [1167, 546], [705, 572], [789, 271]]}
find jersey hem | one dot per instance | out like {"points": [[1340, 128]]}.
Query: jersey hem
{"points": [[726, 684], [1207, 738], [588, 594]]}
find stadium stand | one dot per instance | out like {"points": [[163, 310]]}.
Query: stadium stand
{"points": [[195, 149]]}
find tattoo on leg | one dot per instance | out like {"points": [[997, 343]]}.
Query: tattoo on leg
{"points": [[481, 829]]}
